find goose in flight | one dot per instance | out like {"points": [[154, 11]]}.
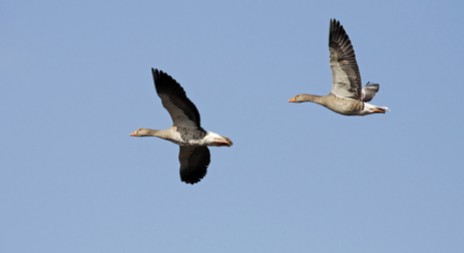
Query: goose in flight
{"points": [[186, 131], [347, 97]]}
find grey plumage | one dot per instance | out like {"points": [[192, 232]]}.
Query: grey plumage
{"points": [[191, 133], [369, 91], [186, 130], [347, 96], [345, 71], [194, 160]]}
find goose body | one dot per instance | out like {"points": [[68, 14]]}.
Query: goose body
{"points": [[183, 136], [186, 131], [347, 97]]}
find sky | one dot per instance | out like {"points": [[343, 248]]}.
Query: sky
{"points": [[75, 80]]}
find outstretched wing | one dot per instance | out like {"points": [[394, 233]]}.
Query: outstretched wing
{"points": [[346, 80], [194, 161], [183, 112]]}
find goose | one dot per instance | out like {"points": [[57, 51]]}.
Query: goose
{"points": [[346, 97], [186, 131]]}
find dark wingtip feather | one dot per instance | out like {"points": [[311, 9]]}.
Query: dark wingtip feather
{"points": [[159, 75], [334, 25], [337, 33], [334, 22], [164, 82], [193, 175], [156, 73], [192, 178]]}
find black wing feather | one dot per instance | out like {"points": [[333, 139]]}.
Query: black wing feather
{"points": [[183, 112], [194, 162]]}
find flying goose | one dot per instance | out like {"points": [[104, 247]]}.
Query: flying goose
{"points": [[346, 97], [186, 131]]}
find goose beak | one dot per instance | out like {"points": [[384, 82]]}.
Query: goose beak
{"points": [[221, 142], [292, 100], [379, 110], [229, 142], [134, 134]]}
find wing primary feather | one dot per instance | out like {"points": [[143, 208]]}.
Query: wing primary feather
{"points": [[345, 70], [173, 97]]}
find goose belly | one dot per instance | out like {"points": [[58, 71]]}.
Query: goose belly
{"points": [[346, 106]]}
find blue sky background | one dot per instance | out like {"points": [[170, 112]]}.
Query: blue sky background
{"points": [[75, 81]]}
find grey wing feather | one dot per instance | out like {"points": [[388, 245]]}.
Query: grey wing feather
{"points": [[194, 161], [346, 79], [182, 111], [369, 91]]}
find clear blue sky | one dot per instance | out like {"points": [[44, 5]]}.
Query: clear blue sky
{"points": [[75, 81]]}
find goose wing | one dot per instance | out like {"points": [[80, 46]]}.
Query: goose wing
{"points": [[183, 112], [194, 161], [369, 91], [346, 80]]}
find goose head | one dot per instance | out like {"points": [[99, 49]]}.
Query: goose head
{"points": [[142, 132], [300, 98], [296, 99]]}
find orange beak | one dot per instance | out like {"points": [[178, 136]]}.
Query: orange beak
{"points": [[134, 133], [379, 110], [292, 100], [224, 142]]}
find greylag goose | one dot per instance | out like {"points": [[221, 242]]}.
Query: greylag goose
{"points": [[186, 131], [346, 96]]}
